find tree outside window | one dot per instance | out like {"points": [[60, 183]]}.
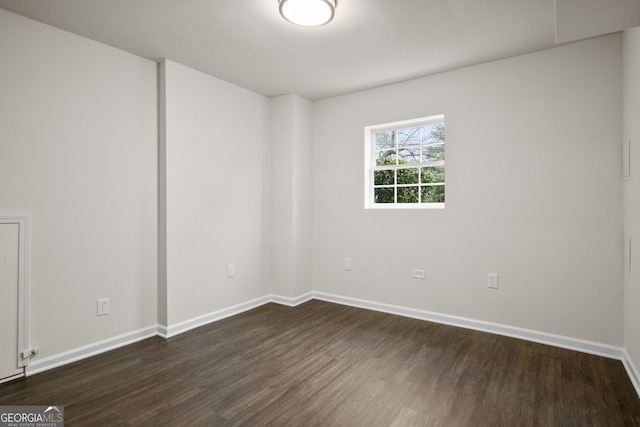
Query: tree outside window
{"points": [[406, 164]]}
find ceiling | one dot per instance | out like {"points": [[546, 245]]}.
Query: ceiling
{"points": [[369, 43]]}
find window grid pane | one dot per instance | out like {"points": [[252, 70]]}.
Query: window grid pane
{"points": [[409, 164], [409, 185]]}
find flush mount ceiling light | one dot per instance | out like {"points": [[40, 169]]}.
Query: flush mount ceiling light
{"points": [[308, 13]]}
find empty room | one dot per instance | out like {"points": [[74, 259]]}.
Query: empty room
{"points": [[320, 212]]}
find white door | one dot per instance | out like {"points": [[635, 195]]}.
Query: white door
{"points": [[9, 284]]}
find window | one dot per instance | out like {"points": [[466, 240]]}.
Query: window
{"points": [[404, 164]]}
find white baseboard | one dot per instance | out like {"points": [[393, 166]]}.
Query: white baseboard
{"points": [[173, 330], [56, 360], [569, 343], [50, 362], [292, 302], [632, 371], [166, 332], [479, 325]]}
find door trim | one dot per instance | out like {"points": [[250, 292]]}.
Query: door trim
{"points": [[24, 250]]}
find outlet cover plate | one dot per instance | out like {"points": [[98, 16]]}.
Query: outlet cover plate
{"points": [[492, 281], [103, 306]]}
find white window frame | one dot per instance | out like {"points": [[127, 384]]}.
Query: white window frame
{"points": [[370, 163]]}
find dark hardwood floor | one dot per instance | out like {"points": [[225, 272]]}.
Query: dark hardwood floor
{"points": [[322, 364]]}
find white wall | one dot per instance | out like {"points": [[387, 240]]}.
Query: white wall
{"points": [[532, 192], [78, 137], [217, 193], [632, 190], [291, 149], [78, 148]]}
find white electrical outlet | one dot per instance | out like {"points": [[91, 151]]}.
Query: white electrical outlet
{"points": [[418, 274], [231, 271], [493, 281], [347, 264], [30, 352], [103, 306]]}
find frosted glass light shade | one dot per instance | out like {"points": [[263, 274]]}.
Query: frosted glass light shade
{"points": [[308, 13]]}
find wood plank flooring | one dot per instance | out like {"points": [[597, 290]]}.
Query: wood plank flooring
{"points": [[322, 364]]}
